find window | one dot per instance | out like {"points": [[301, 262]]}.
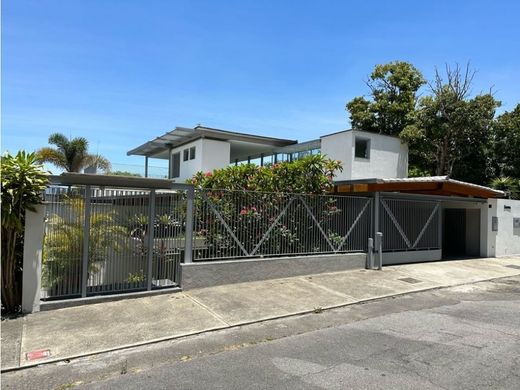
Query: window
{"points": [[362, 148], [176, 165], [192, 153], [185, 155]]}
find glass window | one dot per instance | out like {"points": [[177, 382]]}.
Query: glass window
{"points": [[362, 148], [185, 155], [192, 153]]}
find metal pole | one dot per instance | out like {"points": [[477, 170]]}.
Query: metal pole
{"points": [[261, 159], [170, 162], [150, 232], [377, 200], [379, 240], [370, 254], [188, 241], [145, 166], [86, 239]]}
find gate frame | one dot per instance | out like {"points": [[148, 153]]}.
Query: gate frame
{"points": [[34, 229]]}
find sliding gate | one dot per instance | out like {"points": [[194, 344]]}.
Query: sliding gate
{"points": [[411, 229]]}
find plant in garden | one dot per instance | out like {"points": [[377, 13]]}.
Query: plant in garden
{"points": [[509, 185], [63, 245], [259, 202], [23, 181], [310, 175]]}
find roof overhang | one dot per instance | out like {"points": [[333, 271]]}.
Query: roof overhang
{"points": [[182, 135], [431, 185]]}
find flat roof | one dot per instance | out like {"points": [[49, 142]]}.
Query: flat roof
{"points": [[359, 131], [426, 185], [182, 135]]}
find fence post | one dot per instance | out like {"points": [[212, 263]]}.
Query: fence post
{"points": [[86, 242], [379, 244], [150, 238], [377, 201], [32, 259], [188, 241], [370, 253]]}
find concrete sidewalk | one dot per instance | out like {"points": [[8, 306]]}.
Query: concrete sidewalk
{"points": [[84, 330]]}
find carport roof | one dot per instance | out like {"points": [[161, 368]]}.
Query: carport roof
{"points": [[428, 185]]}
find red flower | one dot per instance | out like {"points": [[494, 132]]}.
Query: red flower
{"points": [[243, 212], [208, 174]]}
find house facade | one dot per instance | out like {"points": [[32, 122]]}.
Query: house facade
{"points": [[190, 150]]}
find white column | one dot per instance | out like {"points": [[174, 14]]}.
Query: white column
{"points": [[32, 259]]}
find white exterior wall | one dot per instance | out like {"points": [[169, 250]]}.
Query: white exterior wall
{"points": [[209, 155], [339, 147], [388, 157], [215, 154], [505, 241]]}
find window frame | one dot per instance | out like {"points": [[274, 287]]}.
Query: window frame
{"points": [[193, 153], [367, 142], [185, 155]]}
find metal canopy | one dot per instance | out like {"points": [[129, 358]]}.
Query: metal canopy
{"points": [[181, 135]]}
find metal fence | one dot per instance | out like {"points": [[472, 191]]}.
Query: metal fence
{"points": [[242, 224], [410, 224], [101, 239]]}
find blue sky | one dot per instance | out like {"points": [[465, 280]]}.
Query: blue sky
{"points": [[121, 72]]}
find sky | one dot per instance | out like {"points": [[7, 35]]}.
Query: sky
{"points": [[121, 72]]}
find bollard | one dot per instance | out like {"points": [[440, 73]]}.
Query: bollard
{"points": [[379, 245], [370, 254]]}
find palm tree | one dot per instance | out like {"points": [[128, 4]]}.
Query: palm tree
{"points": [[71, 154]]}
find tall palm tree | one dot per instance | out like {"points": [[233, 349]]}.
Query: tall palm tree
{"points": [[71, 154]]}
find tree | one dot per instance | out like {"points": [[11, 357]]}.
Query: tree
{"points": [[506, 144], [23, 181], [393, 91], [452, 131], [71, 154]]}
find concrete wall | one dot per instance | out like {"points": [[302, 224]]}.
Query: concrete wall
{"points": [[209, 155], [388, 157], [506, 241], [339, 147], [411, 256], [215, 273]]}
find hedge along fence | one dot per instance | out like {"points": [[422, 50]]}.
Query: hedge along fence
{"points": [[23, 182]]}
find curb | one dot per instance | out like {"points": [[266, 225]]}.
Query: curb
{"points": [[245, 323]]}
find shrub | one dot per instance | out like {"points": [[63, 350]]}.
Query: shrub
{"points": [[23, 182], [309, 175]]}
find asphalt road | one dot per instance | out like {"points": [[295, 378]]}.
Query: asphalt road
{"points": [[465, 337]]}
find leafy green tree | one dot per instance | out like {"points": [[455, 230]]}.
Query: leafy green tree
{"points": [[393, 93], [71, 154], [452, 131], [23, 181], [506, 144]]}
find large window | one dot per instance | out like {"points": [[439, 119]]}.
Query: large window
{"points": [[362, 148]]}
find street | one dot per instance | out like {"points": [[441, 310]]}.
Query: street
{"points": [[465, 337]]}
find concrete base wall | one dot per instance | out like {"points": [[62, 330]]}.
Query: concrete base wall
{"points": [[411, 257], [215, 273]]}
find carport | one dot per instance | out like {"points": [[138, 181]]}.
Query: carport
{"points": [[429, 218]]}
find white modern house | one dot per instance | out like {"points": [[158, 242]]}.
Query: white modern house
{"points": [[190, 150]]}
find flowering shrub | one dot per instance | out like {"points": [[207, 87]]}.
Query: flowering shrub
{"points": [[309, 175]]}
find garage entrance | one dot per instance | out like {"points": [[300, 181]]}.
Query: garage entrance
{"points": [[461, 233]]}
